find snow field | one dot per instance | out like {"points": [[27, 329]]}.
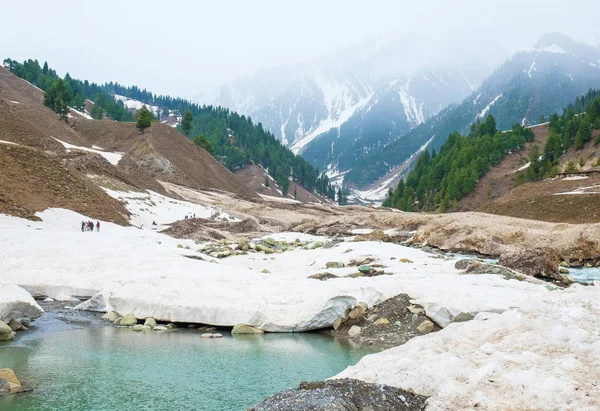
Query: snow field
{"points": [[112, 158]]}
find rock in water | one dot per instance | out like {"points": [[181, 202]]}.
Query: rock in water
{"points": [[16, 326], [9, 383], [537, 262], [160, 328], [140, 327], [342, 395], [354, 331], [6, 333], [150, 322], [338, 322], [211, 335], [127, 320], [246, 329], [111, 316]]}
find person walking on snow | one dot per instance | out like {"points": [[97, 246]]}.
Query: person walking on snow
{"points": [[82, 226], [98, 226]]}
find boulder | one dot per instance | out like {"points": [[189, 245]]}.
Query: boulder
{"points": [[150, 322], [382, 321], [338, 322], [265, 271], [342, 395], [354, 331], [127, 320], [140, 327], [9, 383], [111, 316], [6, 333], [358, 311], [160, 328], [536, 262], [364, 268], [246, 329], [171, 326], [16, 326], [334, 264], [425, 327], [405, 260], [415, 310], [264, 249]]}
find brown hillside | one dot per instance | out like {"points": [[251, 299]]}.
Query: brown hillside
{"points": [[31, 181], [253, 177], [540, 201], [502, 177], [163, 153]]}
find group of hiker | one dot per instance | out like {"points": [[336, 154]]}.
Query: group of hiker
{"points": [[89, 226]]}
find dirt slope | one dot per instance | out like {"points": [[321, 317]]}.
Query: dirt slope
{"points": [[253, 177], [31, 181], [502, 177]]}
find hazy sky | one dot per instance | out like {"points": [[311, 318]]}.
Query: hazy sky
{"points": [[185, 47]]}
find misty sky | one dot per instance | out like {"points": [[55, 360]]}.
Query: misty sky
{"points": [[185, 47]]}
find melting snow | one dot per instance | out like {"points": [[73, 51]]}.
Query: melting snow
{"points": [[112, 158], [551, 49], [8, 142], [136, 104], [523, 167], [531, 69], [412, 109]]}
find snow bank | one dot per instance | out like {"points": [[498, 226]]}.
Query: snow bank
{"points": [[17, 303], [543, 357], [148, 207], [8, 142], [112, 158]]}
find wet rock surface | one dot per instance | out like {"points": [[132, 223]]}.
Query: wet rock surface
{"points": [[342, 395]]}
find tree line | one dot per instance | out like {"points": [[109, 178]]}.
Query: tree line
{"points": [[231, 138]]}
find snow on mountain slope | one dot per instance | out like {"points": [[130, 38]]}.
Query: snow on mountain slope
{"points": [[134, 104]]}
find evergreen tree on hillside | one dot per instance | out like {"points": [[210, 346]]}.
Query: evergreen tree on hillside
{"points": [[144, 119], [57, 96], [203, 142], [266, 181], [97, 112], [186, 123]]}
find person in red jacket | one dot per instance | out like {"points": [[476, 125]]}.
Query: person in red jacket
{"points": [[98, 226]]}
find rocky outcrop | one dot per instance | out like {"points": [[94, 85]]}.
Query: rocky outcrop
{"points": [[6, 333], [537, 262], [127, 320], [342, 395]]}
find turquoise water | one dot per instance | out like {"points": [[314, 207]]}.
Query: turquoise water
{"points": [[115, 368]]}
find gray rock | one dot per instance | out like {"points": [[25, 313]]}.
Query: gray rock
{"points": [[537, 262], [364, 268], [354, 331], [342, 395], [334, 264], [16, 326], [323, 276], [211, 335], [337, 323], [140, 327], [171, 326], [160, 328], [127, 320]]}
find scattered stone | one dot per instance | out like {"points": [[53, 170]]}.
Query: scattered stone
{"points": [[426, 327], [160, 328], [563, 270], [415, 310], [171, 326], [111, 316], [16, 326], [348, 251], [382, 321], [270, 241], [358, 311], [264, 249], [127, 320], [150, 322], [246, 329], [6, 333], [356, 275], [265, 271], [563, 264], [334, 264], [567, 279], [9, 383], [342, 395], [354, 331], [377, 235], [338, 322], [405, 260], [211, 335], [364, 269], [207, 329], [323, 276]]}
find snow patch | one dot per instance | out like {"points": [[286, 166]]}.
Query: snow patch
{"points": [[531, 69], [111, 157], [413, 110], [488, 107]]}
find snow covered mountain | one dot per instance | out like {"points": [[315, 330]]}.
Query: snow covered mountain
{"points": [[301, 102], [533, 83]]}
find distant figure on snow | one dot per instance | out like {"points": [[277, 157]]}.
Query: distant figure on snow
{"points": [[98, 226], [82, 226]]}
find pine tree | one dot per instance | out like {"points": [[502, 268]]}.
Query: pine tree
{"points": [[186, 123], [266, 181], [97, 112], [57, 98], [144, 119]]}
